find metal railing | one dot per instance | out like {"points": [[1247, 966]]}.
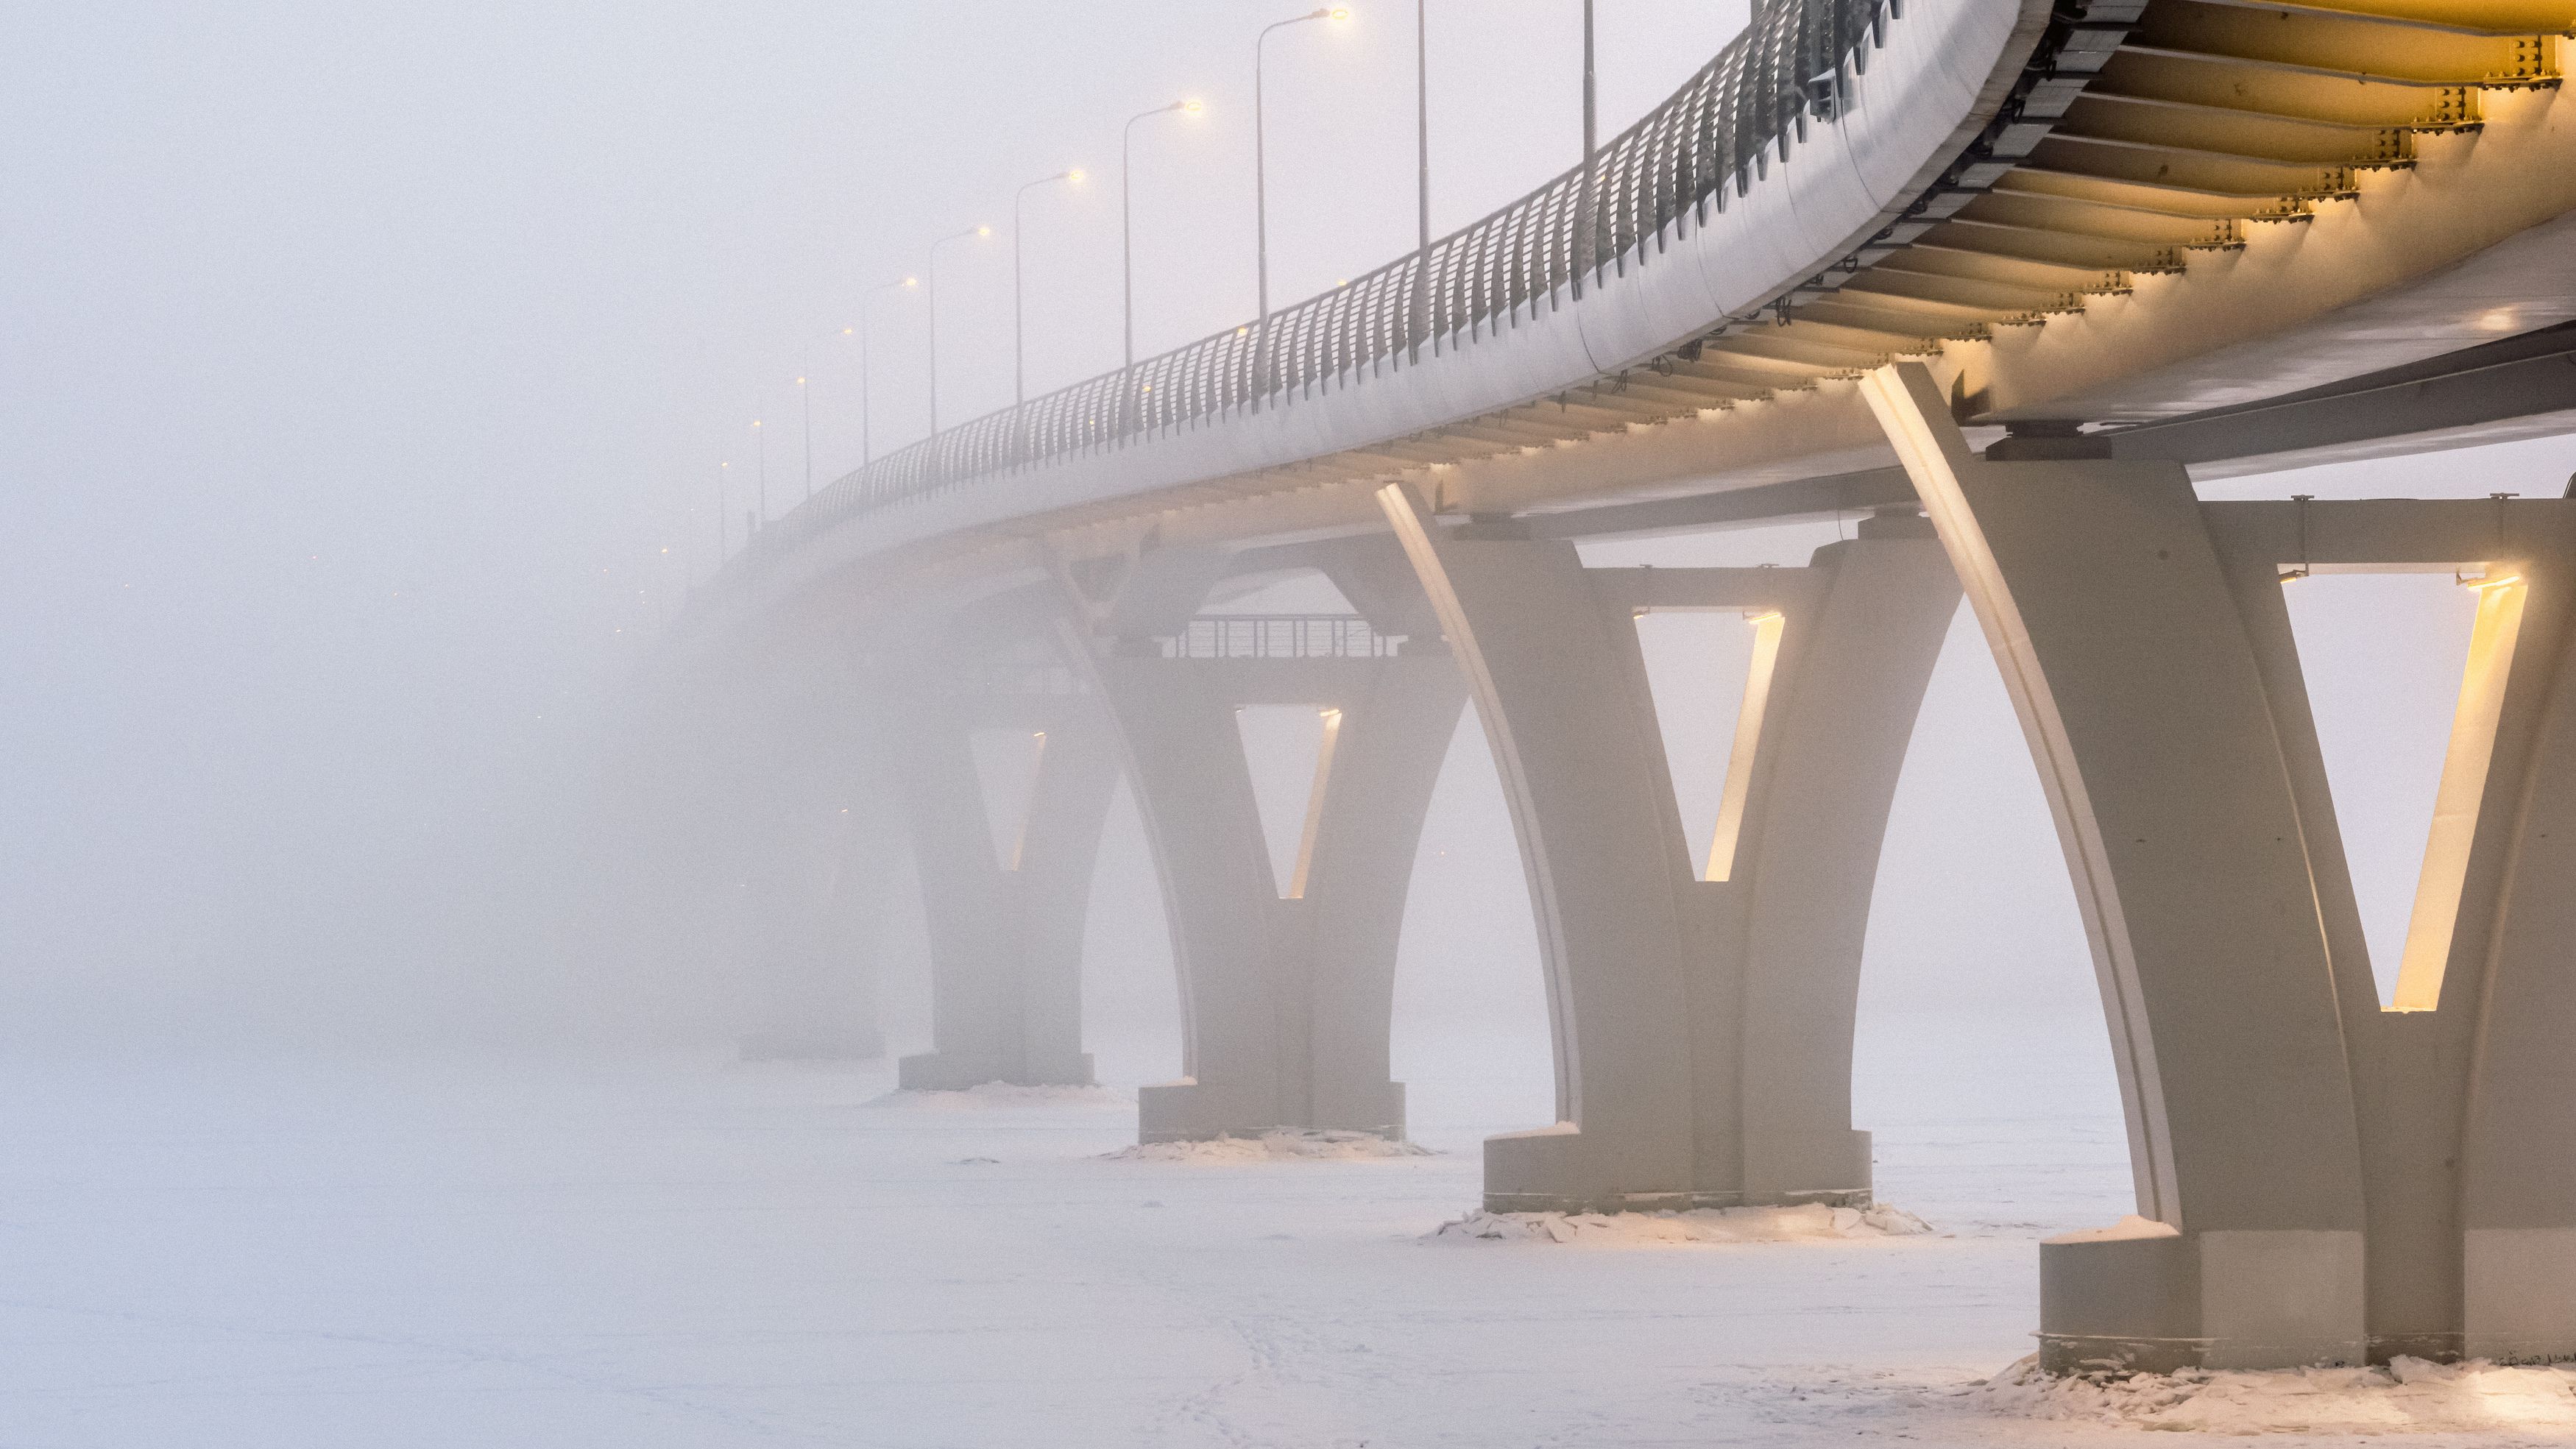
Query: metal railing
{"points": [[1792, 64], [1280, 636]]}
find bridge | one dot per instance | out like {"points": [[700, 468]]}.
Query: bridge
{"points": [[2003, 277]]}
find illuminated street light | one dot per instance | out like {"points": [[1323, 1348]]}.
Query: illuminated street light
{"points": [[1019, 349], [1127, 245], [932, 292], [1261, 200], [867, 451]]}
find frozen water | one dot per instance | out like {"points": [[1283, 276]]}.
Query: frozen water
{"points": [[1003, 1096], [1813, 1222], [2528, 1405], [703, 1254], [1268, 1146]]}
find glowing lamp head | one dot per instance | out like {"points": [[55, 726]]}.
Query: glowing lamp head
{"points": [[1074, 176], [983, 231], [912, 281], [1189, 108]]}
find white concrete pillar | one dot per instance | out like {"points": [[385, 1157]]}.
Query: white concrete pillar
{"points": [[772, 781], [1287, 986], [2332, 1181], [813, 907], [1005, 936], [1702, 1026]]}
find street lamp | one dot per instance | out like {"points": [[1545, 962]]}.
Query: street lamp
{"points": [[805, 402], [1421, 308], [1587, 240], [1127, 247], [1019, 350], [933, 296], [1261, 198], [867, 453]]}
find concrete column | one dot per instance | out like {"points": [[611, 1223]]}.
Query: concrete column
{"points": [[1702, 1012], [1005, 934], [811, 916], [2326, 1181], [1286, 985], [2517, 1169], [763, 786]]}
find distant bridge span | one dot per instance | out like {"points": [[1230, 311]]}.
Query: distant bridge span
{"points": [[2005, 277]]}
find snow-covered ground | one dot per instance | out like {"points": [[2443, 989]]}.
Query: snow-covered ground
{"points": [[699, 1255]]}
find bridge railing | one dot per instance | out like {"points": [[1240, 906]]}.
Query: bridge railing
{"points": [[1713, 136], [1280, 636]]}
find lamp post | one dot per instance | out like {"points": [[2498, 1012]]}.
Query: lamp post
{"points": [[867, 453], [1261, 199], [1019, 348], [1127, 252], [1421, 308], [932, 292], [1586, 238], [805, 402]]}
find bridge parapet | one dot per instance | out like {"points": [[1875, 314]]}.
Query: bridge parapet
{"points": [[1281, 636]]}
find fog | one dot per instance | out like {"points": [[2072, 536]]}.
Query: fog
{"points": [[373, 376]]}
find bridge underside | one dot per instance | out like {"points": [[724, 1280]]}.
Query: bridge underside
{"points": [[2165, 239]]}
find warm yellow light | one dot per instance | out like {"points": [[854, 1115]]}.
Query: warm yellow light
{"points": [[1314, 830], [1074, 176], [1193, 107], [2459, 799], [1020, 843], [983, 231], [1341, 12], [1748, 739], [800, 382], [2492, 581]]}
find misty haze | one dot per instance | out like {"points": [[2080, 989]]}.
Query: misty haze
{"points": [[1450, 722]]}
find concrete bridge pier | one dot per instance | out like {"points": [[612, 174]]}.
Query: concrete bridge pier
{"points": [[1702, 993], [810, 905], [1287, 984], [1287, 976], [750, 810], [1006, 919], [2320, 1177]]}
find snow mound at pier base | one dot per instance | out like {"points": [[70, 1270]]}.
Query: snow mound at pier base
{"points": [[2410, 1395], [1807, 1222], [1274, 1146]]}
